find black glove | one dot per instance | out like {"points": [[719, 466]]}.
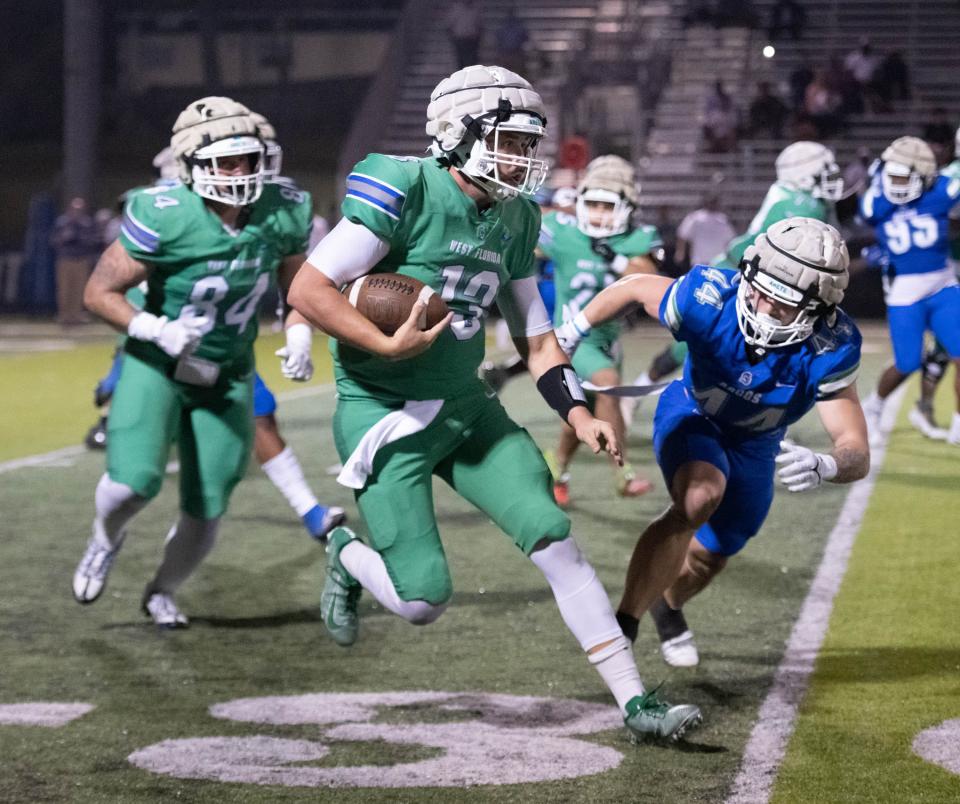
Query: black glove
{"points": [[603, 250]]}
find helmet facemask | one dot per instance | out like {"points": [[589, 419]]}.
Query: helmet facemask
{"points": [[612, 221], [487, 161], [829, 185], [210, 181], [901, 192], [272, 160], [764, 331]]}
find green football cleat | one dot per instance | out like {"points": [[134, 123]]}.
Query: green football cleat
{"points": [[341, 592], [650, 718]]}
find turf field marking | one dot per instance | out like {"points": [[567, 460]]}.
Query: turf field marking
{"points": [[940, 745], [777, 716], [494, 740], [35, 713], [66, 456]]}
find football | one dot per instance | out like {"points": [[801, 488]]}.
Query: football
{"points": [[387, 299]]}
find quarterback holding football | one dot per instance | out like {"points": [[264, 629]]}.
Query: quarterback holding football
{"points": [[410, 405]]}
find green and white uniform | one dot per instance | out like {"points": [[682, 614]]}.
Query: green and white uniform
{"points": [[779, 203], [580, 274], [398, 423], [196, 261]]}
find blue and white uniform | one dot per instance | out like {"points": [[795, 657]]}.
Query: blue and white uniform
{"points": [[732, 411], [920, 286]]}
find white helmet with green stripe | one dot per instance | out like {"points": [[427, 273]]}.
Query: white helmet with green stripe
{"points": [[487, 122], [798, 263]]}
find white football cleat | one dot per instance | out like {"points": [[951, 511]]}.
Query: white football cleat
{"points": [[953, 437], [926, 425], [91, 574], [681, 651], [163, 610], [873, 412]]}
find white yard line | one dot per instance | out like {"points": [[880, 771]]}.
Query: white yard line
{"points": [[777, 717], [65, 456]]}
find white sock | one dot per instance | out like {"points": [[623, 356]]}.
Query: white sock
{"points": [[580, 596], [643, 378], [366, 565], [617, 668], [187, 544], [116, 504], [286, 474]]}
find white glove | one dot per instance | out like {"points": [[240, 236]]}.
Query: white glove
{"points": [[174, 337], [295, 362], [804, 469], [571, 332]]}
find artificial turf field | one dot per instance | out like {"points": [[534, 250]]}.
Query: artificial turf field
{"points": [[888, 670]]}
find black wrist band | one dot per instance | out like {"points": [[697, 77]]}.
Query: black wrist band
{"points": [[561, 388]]}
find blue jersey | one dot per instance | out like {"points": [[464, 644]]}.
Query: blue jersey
{"points": [[747, 398], [915, 235]]}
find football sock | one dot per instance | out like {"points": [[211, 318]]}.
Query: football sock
{"points": [[580, 596], [286, 474], [670, 622], [116, 504], [187, 544], [629, 625], [366, 565], [643, 378], [617, 668]]}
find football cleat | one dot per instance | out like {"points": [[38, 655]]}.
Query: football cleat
{"points": [[873, 412], [91, 574], [628, 484], [164, 612], [650, 718], [96, 437], [681, 651], [341, 592], [320, 520], [953, 437], [923, 421], [561, 489]]}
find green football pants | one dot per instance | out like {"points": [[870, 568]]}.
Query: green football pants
{"points": [[480, 452], [213, 428]]}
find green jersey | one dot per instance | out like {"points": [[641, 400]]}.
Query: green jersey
{"points": [[579, 273], [436, 234], [953, 171], [198, 261], [780, 203]]}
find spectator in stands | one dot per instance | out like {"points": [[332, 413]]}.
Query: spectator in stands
{"points": [[822, 105], [76, 241], [863, 64], [892, 81], [799, 80], [939, 135], [720, 121], [787, 16], [702, 234], [843, 83], [767, 113], [464, 27], [511, 38]]}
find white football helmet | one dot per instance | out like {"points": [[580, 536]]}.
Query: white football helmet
{"points": [[209, 130], [609, 180], [468, 114], [273, 153], [909, 168], [799, 262], [564, 198], [811, 167]]}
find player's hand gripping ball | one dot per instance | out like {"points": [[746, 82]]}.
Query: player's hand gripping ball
{"points": [[387, 300]]}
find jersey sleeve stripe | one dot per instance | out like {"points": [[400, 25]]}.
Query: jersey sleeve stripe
{"points": [[671, 312], [363, 198], [143, 233], [135, 238], [837, 382], [386, 201], [379, 183]]}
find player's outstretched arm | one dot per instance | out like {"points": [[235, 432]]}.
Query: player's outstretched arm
{"points": [[559, 386], [114, 274], [843, 419]]}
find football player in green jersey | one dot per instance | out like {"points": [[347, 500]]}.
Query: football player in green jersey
{"points": [[207, 249], [410, 406], [589, 251], [808, 184]]}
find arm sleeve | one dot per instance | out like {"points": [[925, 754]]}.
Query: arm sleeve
{"points": [[348, 252], [377, 190], [523, 308]]}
